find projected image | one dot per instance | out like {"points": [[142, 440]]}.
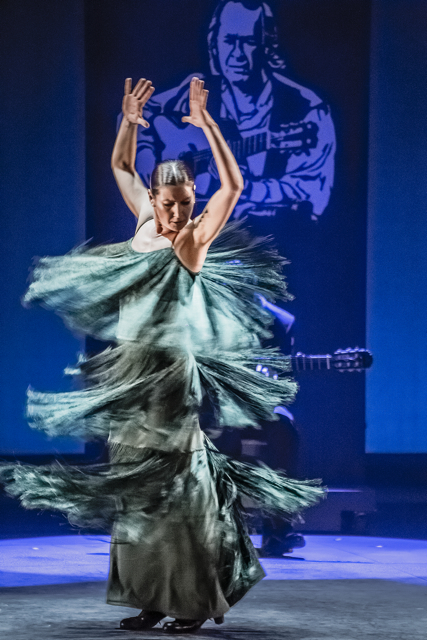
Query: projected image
{"points": [[280, 132]]}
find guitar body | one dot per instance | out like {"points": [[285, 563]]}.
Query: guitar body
{"points": [[183, 143], [179, 140]]}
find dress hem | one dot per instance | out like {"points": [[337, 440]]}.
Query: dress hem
{"points": [[169, 614]]}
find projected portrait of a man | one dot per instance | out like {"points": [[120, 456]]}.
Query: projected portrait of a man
{"points": [[280, 132]]}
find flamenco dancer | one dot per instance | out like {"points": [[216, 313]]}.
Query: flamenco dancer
{"points": [[178, 302]]}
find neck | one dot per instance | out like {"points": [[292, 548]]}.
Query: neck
{"points": [[248, 90], [169, 234]]}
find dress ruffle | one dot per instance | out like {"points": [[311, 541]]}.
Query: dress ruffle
{"points": [[179, 334], [88, 287], [177, 337], [141, 484]]}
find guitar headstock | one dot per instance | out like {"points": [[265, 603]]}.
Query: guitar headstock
{"points": [[295, 137], [352, 359]]}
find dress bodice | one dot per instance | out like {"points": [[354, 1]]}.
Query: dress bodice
{"points": [[116, 293]]}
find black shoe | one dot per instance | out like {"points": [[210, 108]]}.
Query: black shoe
{"points": [[145, 620], [294, 541], [183, 626], [276, 547]]}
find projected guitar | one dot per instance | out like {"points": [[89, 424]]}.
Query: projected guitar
{"points": [[190, 144], [342, 360]]}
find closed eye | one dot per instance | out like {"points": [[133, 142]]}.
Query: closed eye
{"points": [[170, 204]]}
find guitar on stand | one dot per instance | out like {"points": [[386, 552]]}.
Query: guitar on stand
{"points": [[274, 537]]}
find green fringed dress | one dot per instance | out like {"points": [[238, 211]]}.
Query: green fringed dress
{"points": [[171, 500]]}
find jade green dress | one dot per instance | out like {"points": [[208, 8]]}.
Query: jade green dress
{"points": [[175, 505]]}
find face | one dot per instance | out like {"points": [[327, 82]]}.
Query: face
{"points": [[239, 42], [173, 205]]}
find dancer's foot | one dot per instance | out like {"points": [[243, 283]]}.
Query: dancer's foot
{"points": [[182, 626], [277, 547], [144, 620]]}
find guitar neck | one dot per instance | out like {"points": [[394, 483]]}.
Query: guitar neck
{"points": [[240, 149], [342, 360], [302, 362], [248, 146]]}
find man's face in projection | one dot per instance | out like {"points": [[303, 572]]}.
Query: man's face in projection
{"points": [[239, 43]]}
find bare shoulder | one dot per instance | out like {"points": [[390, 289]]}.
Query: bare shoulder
{"points": [[214, 216], [192, 243], [189, 251]]}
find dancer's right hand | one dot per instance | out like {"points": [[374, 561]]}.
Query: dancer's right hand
{"points": [[133, 101]]}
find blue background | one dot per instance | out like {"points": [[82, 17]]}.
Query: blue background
{"points": [[396, 394], [62, 81], [42, 197]]}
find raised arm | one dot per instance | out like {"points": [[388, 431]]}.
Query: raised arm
{"points": [[123, 157], [197, 237]]}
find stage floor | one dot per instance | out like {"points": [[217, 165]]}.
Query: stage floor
{"points": [[335, 588]]}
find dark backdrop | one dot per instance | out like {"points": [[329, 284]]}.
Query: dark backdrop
{"points": [[326, 46], [42, 156], [62, 82]]}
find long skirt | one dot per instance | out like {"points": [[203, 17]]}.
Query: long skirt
{"points": [[195, 559]]}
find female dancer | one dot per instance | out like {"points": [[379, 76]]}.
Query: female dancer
{"points": [[178, 300]]}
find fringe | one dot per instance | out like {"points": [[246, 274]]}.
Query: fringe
{"points": [[147, 386], [142, 484]]}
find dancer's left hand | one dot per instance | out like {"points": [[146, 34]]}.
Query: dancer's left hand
{"points": [[199, 117]]}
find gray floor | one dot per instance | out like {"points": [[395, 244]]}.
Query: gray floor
{"points": [[335, 588], [28, 562], [297, 610]]}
